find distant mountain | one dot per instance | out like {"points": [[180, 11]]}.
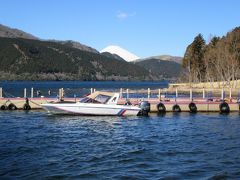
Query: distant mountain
{"points": [[176, 59], [8, 32], [77, 45], [26, 59], [123, 53], [164, 69], [114, 56]]}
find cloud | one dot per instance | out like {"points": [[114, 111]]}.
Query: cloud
{"points": [[124, 15]]}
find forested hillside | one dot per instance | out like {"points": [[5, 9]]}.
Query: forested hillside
{"points": [[162, 68], [218, 60], [25, 59]]}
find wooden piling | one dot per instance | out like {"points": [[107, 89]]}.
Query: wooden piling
{"points": [[190, 94], [25, 93], [1, 94], [62, 97], [222, 94], [203, 93], [230, 93], [120, 92], [60, 94], [159, 94], [148, 93], [31, 92]]}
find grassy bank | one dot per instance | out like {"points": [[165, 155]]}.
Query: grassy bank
{"points": [[207, 85]]}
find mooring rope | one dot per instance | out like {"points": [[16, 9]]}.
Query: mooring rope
{"points": [[8, 95], [35, 103]]}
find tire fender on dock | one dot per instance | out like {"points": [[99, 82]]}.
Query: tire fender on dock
{"points": [[12, 106], [192, 107], [224, 108], [176, 108], [26, 107], [161, 108], [3, 107]]}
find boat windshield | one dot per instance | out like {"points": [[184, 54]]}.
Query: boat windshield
{"points": [[89, 100], [102, 98]]}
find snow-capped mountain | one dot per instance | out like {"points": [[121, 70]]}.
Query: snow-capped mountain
{"points": [[123, 53]]}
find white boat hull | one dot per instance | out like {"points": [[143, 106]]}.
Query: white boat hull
{"points": [[91, 109]]}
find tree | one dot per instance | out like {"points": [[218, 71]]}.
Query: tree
{"points": [[219, 60], [210, 60], [193, 59]]}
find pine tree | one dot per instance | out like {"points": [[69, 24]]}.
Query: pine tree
{"points": [[193, 59]]}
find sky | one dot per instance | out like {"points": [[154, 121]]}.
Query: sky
{"points": [[143, 27]]}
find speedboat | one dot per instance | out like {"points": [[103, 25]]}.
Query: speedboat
{"points": [[97, 103]]}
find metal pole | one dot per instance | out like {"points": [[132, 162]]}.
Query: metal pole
{"points": [[191, 94], [0, 92], [222, 94], [59, 93], [62, 93], [148, 92], [159, 94], [121, 90], [230, 93], [127, 94], [25, 93], [203, 93], [31, 92], [176, 92]]}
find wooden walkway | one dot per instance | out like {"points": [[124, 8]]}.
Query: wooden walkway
{"points": [[203, 105]]}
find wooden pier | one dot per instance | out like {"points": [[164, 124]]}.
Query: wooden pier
{"points": [[158, 101]]}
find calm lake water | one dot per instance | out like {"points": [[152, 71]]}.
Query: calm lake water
{"points": [[78, 88], [34, 145]]}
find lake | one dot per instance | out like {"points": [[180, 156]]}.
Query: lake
{"points": [[71, 88], [34, 145]]}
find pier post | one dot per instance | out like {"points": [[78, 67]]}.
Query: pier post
{"points": [[94, 90], [203, 93], [230, 93], [62, 94], [190, 95], [59, 93], [127, 94], [0, 92], [176, 93], [222, 94], [91, 91], [75, 97], [25, 93], [31, 92], [148, 93], [121, 91], [159, 94]]}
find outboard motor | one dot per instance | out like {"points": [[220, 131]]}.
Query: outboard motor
{"points": [[145, 108]]}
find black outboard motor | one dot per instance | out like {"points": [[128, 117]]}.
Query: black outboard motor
{"points": [[145, 108]]}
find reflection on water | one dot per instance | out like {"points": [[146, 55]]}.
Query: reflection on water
{"points": [[177, 146]]}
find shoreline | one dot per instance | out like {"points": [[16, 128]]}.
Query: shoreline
{"points": [[207, 85]]}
